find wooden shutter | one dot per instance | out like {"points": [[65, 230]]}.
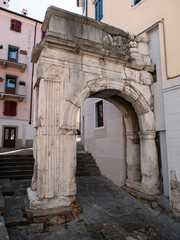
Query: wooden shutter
{"points": [[10, 108], [13, 108], [18, 26], [13, 24], [7, 108]]}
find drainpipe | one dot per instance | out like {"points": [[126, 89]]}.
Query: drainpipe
{"points": [[165, 51], [30, 113]]}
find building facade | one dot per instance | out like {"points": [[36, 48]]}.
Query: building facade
{"points": [[18, 36], [158, 21]]}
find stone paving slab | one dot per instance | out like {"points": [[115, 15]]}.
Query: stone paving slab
{"points": [[109, 213]]}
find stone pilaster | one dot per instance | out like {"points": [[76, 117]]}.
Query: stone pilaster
{"points": [[132, 157], [53, 183], [149, 160]]}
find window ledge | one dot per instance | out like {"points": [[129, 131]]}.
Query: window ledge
{"points": [[6, 63], [7, 96], [99, 128]]}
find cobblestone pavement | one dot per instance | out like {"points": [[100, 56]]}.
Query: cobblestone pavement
{"points": [[109, 213]]}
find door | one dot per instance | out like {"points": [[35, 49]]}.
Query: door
{"points": [[9, 137]]}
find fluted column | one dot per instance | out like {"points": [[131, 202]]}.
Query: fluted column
{"points": [[133, 157], [53, 183], [149, 159]]}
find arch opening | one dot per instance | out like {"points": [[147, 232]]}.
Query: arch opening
{"points": [[115, 144]]}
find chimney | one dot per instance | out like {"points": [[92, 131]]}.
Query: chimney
{"points": [[4, 3], [24, 12]]}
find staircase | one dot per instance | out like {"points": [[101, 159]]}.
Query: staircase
{"points": [[20, 166], [16, 166], [86, 165]]}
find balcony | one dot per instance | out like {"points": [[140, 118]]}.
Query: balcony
{"points": [[13, 60], [8, 96], [11, 92], [7, 63]]}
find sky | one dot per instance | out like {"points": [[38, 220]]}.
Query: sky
{"points": [[37, 8]]}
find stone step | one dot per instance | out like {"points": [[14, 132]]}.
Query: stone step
{"points": [[16, 162], [94, 168], [18, 176], [6, 157], [85, 165], [9, 172], [84, 158], [85, 162], [88, 173], [16, 168]]}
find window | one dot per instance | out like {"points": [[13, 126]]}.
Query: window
{"points": [[136, 2], [99, 114], [16, 25], [13, 54], [10, 108], [99, 10], [10, 84]]}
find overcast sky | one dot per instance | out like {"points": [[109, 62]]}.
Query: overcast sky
{"points": [[37, 8]]}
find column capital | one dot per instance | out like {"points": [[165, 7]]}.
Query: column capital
{"points": [[132, 135], [147, 134]]}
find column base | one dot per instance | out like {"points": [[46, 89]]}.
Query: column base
{"points": [[48, 203], [144, 188]]}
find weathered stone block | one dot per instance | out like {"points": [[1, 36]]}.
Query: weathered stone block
{"points": [[133, 44], [143, 48], [146, 78], [132, 75], [133, 50], [142, 39]]}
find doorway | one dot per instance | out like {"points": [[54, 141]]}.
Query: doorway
{"points": [[9, 137]]}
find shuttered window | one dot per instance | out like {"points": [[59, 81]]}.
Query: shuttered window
{"points": [[16, 25], [10, 108], [99, 10]]}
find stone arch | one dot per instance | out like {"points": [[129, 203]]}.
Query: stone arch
{"points": [[132, 105], [73, 65]]}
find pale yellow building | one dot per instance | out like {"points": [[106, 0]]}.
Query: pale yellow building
{"points": [[159, 20]]}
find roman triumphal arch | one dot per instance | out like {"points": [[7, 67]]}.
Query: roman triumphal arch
{"points": [[79, 58]]}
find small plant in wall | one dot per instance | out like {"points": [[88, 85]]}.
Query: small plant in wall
{"points": [[23, 52], [131, 59], [1, 79], [22, 83]]}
